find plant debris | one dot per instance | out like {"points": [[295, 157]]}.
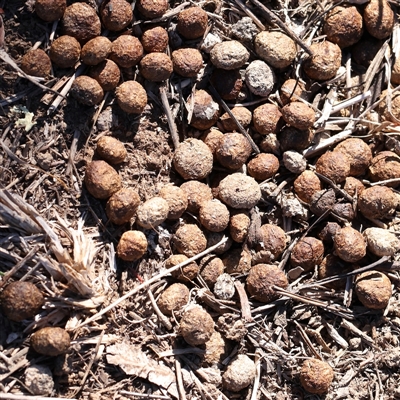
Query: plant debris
{"points": [[202, 199]]}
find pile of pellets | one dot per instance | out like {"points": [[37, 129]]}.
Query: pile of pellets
{"points": [[258, 175]]}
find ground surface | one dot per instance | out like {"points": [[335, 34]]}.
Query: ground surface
{"points": [[128, 349]]}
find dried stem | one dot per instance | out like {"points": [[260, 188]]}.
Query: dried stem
{"points": [[275, 20], [335, 187], [238, 124], [334, 278], [163, 319], [352, 328], [72, 153], [244, 301], [170, 119], [317, 148], [9, 396], [258, 375], [341, 311], [350, 102], [144, 395], [250, 14], [90, 365], [7, 59], [18, 265], [179, 380], [307, 340], [61, 96], [150, 281]]}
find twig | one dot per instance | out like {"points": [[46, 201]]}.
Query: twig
{"points": [[170, 120], [17, 266], [334, 278], [90, 365], [150, 281], [61, 96], [144, 395], [2, 33], [53, 30], [250, 14], [168, 14], [274, 19], [163, 319], [258, 375], [352, 328], [394, 180], [209, 299], [287, 254], [350, 102], [58, 85], [307, 340], [9, 396], [239, 125], [334, 334], [72, 152], [338, 310], [179, 380], [7, 59], [374, 66], [348, 291], [378, 223], [244, 301], [313, 150], [335, 187], [317, 336], [21, 364]]}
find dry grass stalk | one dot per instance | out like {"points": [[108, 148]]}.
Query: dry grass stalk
{"points": [[324, 144], [244, 301], [334, 309], [257, 360], [170, 119], [238, 124], [18, 265], [179, 380], [351, 327], [163, 319], [7, 59], [78, 269], [61, 96], [90, 365], [307, 340], [150, 281], [275, 20], [144, 395], [250, 14], [357, 271], [167, 15], [334, 334], [10, 396]]}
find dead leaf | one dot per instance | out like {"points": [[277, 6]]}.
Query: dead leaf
{"points": [[133, 361]]}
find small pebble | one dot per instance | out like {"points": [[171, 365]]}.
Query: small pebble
{"points": [[260, 79], [245, 30], [209, 42], [39, 380], [294, 162], [224, 287]]}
